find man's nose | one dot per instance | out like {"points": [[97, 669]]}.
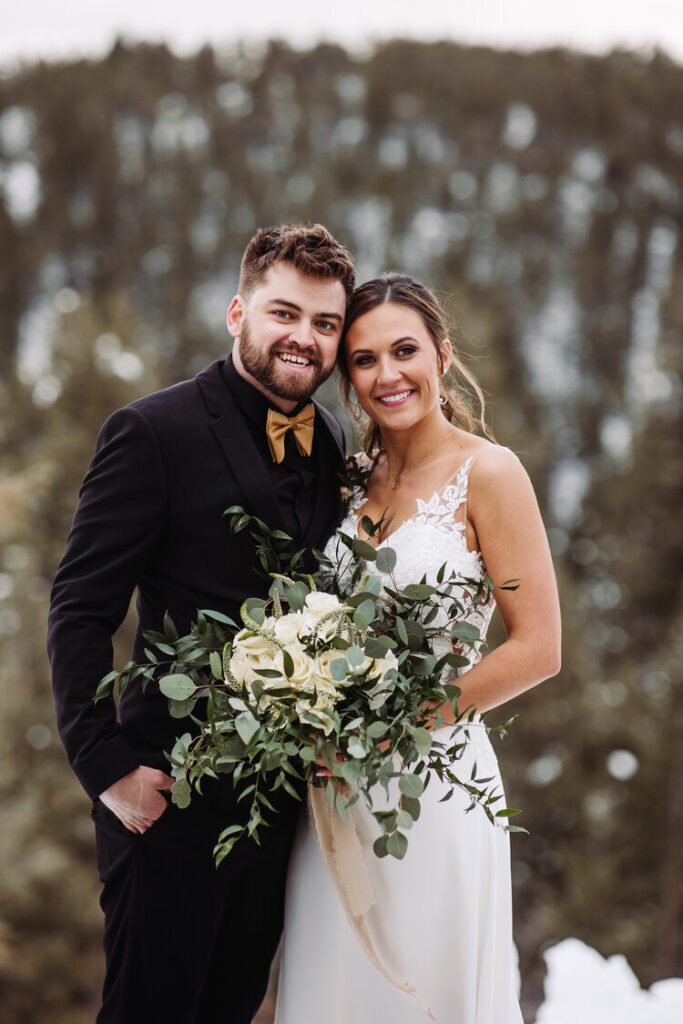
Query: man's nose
{"points": [[301, 333]]}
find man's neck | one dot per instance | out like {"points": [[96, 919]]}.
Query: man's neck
{"points": [[285, 404]]}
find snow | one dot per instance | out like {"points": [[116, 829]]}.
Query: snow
{"points": [[582, 986]]}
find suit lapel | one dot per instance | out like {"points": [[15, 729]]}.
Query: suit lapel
{"points": [[335, 431], [316, 527], [235, 441]]}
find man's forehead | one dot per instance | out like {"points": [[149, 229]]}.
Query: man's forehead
{"points": [[285, 281]]}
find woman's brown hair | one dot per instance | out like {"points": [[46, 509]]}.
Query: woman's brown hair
{"points": [[462, 403]]}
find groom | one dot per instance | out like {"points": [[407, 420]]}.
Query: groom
{"points": [[187, 943]]}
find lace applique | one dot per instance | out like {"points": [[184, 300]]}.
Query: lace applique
{"points": [[440, 510], [428, 539]]}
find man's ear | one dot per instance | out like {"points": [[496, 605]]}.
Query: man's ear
{"points": [[235, 316]]}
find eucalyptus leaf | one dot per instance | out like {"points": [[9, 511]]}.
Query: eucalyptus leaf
{"points": [[166, 648], [181, 708], [374, 649], [169, 627], [379, 847], [362, 549], [364, 614], [350, 771], [219, 617], [397, 844], [105, 686], [411, 785], [465, 631], [411, 805], [355, 748], [355, 656], [177, 686], [404, 820], [296, 596], [247, 726], [339, 669], [386, 560], [422, 739], [418, 591], [181, 793]]}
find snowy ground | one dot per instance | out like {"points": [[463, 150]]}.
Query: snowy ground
{"points": [[581, 987]]}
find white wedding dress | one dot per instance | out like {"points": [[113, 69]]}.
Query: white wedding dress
{"points": [[442, 917]]}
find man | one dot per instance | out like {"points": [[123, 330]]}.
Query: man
{"points": [[185, 942]]}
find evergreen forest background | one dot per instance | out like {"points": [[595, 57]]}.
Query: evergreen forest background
{"points": [[540, 195]]}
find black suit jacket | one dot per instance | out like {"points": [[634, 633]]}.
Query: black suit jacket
{"points": [[150, 515]]}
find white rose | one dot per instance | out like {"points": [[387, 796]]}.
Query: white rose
{"points": [[250, 653], [385, 664], [323, 669], [318, 711], [302, 676], [323, 631], [359, 670], [319, 604], [288, 627]]}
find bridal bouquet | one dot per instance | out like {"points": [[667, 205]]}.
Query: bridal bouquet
{"points": [[335, 679]]}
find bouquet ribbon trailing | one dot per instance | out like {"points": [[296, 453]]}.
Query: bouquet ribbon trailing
{"points": [[343, 856]]}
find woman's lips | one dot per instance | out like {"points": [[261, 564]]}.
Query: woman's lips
{"points": [[394, 398]]}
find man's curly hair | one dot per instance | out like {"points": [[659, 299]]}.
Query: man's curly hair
{"points": [[312, 250]]}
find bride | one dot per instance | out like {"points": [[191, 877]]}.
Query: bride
{"points": [[442, 920]]}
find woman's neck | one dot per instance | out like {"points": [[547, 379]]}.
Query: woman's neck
{"points": [[405, 449]]}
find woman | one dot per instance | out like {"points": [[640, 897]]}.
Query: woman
{"points": [[442, 917]]}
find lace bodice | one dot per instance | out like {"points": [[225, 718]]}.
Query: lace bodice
{"points": [[434, 535]]}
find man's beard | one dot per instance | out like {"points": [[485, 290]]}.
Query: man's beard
{"points": [[271, 373]]}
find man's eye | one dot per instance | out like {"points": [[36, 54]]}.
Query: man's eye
{"points": [[284, 313], [326, 325]]}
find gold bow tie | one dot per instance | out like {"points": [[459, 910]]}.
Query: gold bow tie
{"points": [[278, 424]]}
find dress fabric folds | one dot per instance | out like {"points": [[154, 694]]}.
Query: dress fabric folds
{"points": [[441, 922]]}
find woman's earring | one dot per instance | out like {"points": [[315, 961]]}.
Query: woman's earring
{"points": [[443, 400]]}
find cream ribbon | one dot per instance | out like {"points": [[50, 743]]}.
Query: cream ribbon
{"points": [[343, 855]]}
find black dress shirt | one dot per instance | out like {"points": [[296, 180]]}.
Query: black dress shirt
{"points": [[295, 479]]}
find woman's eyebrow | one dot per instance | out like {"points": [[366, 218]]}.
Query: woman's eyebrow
{"points": [[399, 341]]}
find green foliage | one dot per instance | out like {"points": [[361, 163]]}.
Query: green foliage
{"points": [[268, 733]]}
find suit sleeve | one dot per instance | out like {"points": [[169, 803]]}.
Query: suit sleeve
{"points": [[116, 528]]}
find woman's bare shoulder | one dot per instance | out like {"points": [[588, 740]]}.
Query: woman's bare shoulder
{"points": [[482, 453], [498, 471]]}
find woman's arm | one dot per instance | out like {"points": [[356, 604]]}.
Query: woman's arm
{"points": [[512, 539]]}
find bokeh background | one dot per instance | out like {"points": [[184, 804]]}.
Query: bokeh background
{"points": [[540, 194]]}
